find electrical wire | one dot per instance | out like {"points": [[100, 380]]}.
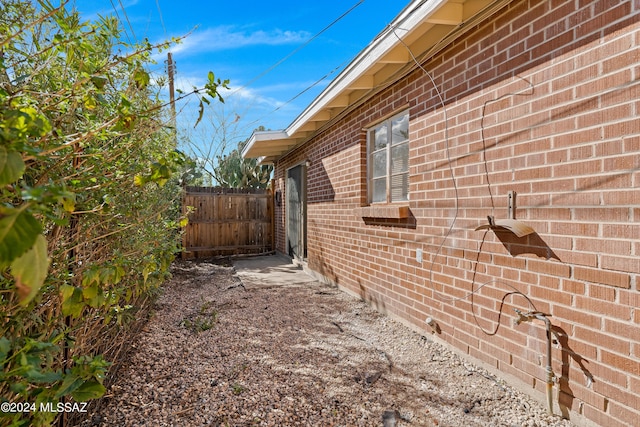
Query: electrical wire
{"points": [[126, 17], [484, 146], [474, 290], [449, 162], [297, 49], [160, 14], [311, 86], [115, 9], [271, 68]]}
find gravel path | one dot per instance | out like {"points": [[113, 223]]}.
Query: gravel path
{"points": [[223, 351]]}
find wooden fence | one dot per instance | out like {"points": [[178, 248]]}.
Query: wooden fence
{"points": [[227, 222]]}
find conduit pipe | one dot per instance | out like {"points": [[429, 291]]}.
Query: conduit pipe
{"points": [[527, 317]]}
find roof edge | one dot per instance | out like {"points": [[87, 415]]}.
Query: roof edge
{"points": [[263, 135], [381, 44]]}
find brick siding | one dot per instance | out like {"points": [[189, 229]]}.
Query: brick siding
{"points": [[545, 96]]}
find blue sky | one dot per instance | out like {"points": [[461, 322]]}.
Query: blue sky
{"points": [[240, 41]]}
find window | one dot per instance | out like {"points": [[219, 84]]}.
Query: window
{"points": [[388, 160]]}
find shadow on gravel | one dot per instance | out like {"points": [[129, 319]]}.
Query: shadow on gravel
{"points": [[260, 343]]}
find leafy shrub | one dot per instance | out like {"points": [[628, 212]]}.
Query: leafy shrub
{"points": [[89, 212]]}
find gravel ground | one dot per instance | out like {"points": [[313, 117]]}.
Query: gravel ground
{"points": [[221, 352]]}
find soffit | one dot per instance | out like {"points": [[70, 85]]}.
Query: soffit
{"points": [[416, 33]]}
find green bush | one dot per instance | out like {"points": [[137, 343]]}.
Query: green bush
{"points": [[89, 212]]}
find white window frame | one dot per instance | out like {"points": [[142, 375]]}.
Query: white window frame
{"points": [[389, 174]]}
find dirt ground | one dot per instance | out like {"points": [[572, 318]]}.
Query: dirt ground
{"points": [[223, 348]]}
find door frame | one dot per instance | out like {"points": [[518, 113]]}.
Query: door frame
{"points": [[303, 214]]}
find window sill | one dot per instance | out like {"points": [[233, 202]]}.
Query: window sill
{"points": [[384, 211]]}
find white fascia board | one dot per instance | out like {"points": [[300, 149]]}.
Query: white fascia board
{"points": [[261, 136], [408, 19]]}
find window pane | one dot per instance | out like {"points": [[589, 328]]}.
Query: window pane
{"points": [[380, 190], [400, 126], [400, 158], [400, 187], [379, 164], [388, 161], [380, 137]]}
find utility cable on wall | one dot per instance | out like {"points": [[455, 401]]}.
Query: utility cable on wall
{"points": [[482, 136], [473, 291]]}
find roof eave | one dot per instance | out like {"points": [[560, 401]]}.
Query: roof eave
{"points": [[415, 31]]}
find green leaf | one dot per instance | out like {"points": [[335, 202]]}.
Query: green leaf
{"points": [[90, 292], [66, 291], [141, 77], [30, 270], [99, 82], [11, 166], [18, 388], [68, 204], [18, 232], [87, 391], [5, 347], [70, 384], [72, 303], [37, 376], [147, 270], [90, 102], [200, 113]]}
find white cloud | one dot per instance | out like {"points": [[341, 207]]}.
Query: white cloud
{"points": [[251, 95], [231, 37], [237, 97]]}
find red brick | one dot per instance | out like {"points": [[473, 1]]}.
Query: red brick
{"points": [[598, 245], [630, 298], [550, 267], [615, 343], [622, 329], [620, 263], [626, 364], [585, 395], [578, 317], [577, 258], [568, 145], [594, 275], [552, 296], [606, 293], [601, 418], [620, 231], [577, 288], [610, 309], [624, 413], [574, 228]]}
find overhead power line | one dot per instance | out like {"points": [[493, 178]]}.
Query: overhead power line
{"points": [[115, 9], [296, 50], [126, 17], [161, 20]]}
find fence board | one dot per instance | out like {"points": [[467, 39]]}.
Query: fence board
{"points": [[227, 222]]}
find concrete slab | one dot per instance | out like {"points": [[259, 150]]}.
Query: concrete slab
{"points": [[270, 271]]}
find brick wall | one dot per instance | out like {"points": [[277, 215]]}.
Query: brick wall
{"points": [[543, 100]]}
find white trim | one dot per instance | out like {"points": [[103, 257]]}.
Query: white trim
{"points": [[259, 136], [388, 149], [423, 27], [409, 18]]}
